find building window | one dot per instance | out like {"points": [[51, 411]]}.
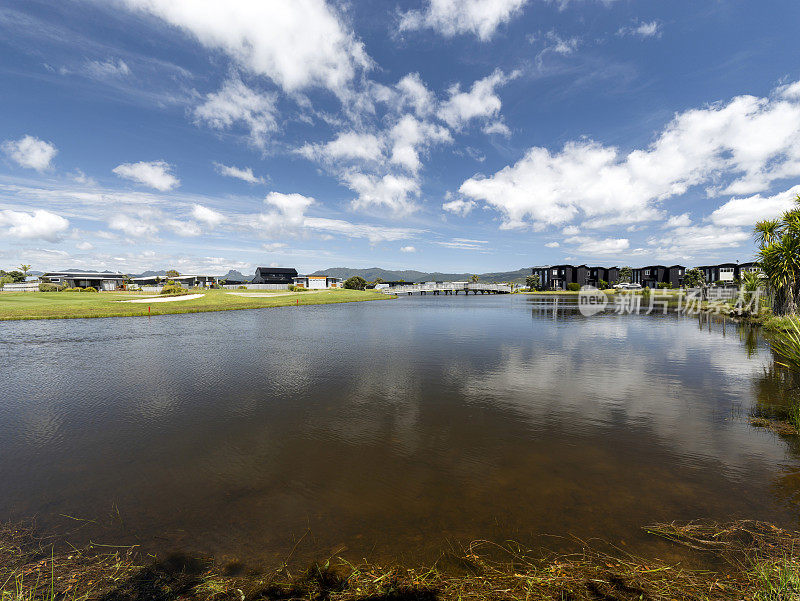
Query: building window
{"points": [[647, 272], [726, 269], [555, 272]]}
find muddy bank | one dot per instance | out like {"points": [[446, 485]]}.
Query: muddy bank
{"points": [[757, 561]]}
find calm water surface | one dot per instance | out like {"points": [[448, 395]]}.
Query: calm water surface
{"points": [[388, 429]]}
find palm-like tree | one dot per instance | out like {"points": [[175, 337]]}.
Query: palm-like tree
{"points": [[766, 231], [779, 257]]}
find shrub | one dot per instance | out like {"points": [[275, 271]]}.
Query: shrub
{"points": [[694, 278], [48, 287], [72, 289], [88, 289], [355, 282], [574, 287], [294, 288], [664, 285], [244, 288], [173, 289], [602, 284]]}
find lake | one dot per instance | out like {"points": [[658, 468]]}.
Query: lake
{"points": [[389, 430]]}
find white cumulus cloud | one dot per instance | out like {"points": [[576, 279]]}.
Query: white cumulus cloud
{"points": [[451, 17], [243, 173], [156, 174], [745, 212], [39, 224], [208, 216], [459, 206], [30, 152], [481, 101], [297, 43], [395, 192], [592, 246], [346, 146], [236, 103], [741, 146]]}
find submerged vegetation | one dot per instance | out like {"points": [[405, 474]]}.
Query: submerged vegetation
{"points": [[756, 560]]}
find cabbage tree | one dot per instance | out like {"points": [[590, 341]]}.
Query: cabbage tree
{"points": [[779, 258]]}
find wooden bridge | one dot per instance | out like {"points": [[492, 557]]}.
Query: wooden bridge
{"points": [[449, 288]]}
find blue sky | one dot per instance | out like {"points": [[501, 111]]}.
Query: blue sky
{"points": [[451, 135]]}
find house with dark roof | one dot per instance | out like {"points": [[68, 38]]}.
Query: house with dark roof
{"points": [[85, 279], [724, 272], [557, 277], [274, 275], [749, 267], [609, 275], [650, 276]]}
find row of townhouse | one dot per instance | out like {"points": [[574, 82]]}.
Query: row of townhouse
{"points": [[107, 281], [558, 277]]}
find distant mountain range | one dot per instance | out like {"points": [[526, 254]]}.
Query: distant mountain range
{"points": [[371, 273], [237, 276], [231, 275]]}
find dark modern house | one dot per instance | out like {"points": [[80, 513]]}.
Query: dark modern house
{"points": [[728, 273], [595, 275], [724, 272], [650, 276], [750, 267], [557, 277], [274, 275]]}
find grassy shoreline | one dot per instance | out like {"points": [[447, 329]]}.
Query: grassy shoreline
{"points": [[756, 561], [81, 305]]}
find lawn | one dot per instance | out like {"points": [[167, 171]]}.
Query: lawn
{"points": [[68, 305]]}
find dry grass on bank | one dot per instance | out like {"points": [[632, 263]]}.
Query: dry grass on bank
{"points": [[759, 563]]}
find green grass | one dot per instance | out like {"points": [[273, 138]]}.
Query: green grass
{"points": [[71, 305]]}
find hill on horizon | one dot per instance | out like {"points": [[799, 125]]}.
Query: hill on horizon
{"points": [[410, 275]]}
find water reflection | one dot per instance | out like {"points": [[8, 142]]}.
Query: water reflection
{"points": [[388, 428]]}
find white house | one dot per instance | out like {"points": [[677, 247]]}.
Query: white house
{"points": [[317, 282], [187, 279]]}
